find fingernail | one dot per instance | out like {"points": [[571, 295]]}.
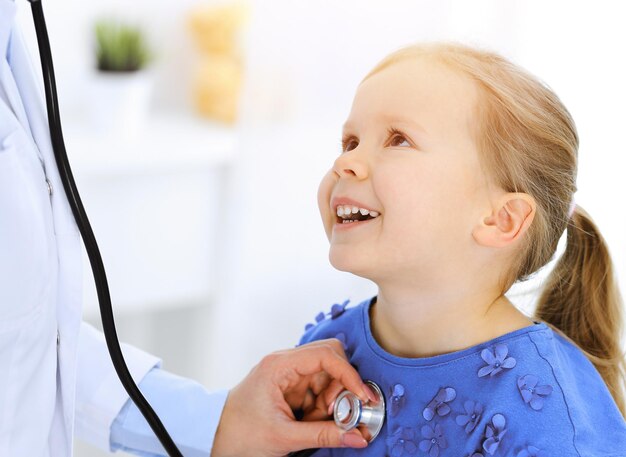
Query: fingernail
{"points": [[370, 393], [331, 407], [353, 440]]}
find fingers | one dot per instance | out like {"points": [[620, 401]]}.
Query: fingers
{"points": [[326, 356], [319, 382], [304, 394], [333, 390], [324, 434], [318, 412], [258, 417], [325, 402]]}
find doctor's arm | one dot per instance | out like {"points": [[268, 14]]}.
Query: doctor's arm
{"points": [[188, 411], [107, 419], [255, 418]]}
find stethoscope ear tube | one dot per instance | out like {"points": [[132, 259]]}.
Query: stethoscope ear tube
{"points": [[104, 299]]}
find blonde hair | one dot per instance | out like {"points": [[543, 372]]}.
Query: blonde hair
{"points": [[528, 143]]}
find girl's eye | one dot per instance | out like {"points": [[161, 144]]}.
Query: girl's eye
{"points": [[395, 138], [345, 144], [396, 135]]}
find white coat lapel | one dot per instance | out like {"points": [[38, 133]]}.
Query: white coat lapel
{"points": [[32, 95]]}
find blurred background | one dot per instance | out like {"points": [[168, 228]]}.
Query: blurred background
{"points": [[200, 169]]}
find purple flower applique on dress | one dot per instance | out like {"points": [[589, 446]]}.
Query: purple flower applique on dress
{"points": [[496, 362], [337, 310], [473, 413], [439, 403], [532, 451], [319, 318], [397, 399], [494, 434], [531, 392], [402, 442], [474, 454], [434, 440]]}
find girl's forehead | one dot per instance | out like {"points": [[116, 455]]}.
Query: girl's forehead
{"points": [[427, 92]]}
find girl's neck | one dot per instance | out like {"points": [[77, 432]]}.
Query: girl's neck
{"points": [[425, 327]]}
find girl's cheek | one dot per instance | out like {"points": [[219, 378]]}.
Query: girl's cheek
{"points": [[323, 199], [323, 193], [397, 186]]}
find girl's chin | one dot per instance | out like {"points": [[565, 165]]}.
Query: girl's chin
{"points": [[349, 262]]}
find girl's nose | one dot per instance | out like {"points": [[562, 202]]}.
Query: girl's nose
{"points": [[352, 163]]}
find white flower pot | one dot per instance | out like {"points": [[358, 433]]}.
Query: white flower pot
{"points": [[120, 102]]}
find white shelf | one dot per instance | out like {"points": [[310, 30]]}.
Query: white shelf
{"points": [[152, 199], [167, 142]]}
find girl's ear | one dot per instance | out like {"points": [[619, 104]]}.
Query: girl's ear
{"points": [[511, 216]]}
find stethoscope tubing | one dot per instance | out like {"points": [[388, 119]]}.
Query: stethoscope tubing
{"points": [[93, 252], [91, 246]]}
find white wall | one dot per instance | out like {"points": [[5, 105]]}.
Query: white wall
{"points": [[327, 47], [304, 60]]}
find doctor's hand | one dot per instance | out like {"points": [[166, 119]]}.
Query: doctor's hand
{"points": [[258, 418]]}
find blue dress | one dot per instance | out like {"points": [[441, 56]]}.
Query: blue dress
{"points": [[525, 393]]}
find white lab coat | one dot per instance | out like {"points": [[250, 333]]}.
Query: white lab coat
{"points": [[54, 370]]}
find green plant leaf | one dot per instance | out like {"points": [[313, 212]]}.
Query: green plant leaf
{"points": [[120, 47]]}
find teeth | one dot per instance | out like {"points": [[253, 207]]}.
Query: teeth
{"points": [[347, 210]]}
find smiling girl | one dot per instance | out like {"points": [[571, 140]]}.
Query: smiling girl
{"points": [[456, 180]]}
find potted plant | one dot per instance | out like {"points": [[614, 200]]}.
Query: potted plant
{"points": [[123, 82]]}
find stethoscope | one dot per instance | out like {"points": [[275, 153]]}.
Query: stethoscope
{"points": [[349, 412]]}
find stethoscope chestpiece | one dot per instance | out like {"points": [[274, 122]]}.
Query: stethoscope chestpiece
{"points": [[350, 412]]}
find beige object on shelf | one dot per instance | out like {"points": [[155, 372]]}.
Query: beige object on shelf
{"points": [[218, 73]]}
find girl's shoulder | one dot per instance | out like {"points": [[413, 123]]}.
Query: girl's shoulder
{"points": [[583, 398], [340, 319], [570, 368]]}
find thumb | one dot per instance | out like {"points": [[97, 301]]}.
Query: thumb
{"points": [[323, 434]]}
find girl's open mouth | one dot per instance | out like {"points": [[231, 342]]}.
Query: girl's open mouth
{"points": [[349, 216]]}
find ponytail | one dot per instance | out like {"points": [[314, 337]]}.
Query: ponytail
{"points": [[581, 300]]}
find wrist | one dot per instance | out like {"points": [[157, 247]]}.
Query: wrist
{"points": [[226, 443]]}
